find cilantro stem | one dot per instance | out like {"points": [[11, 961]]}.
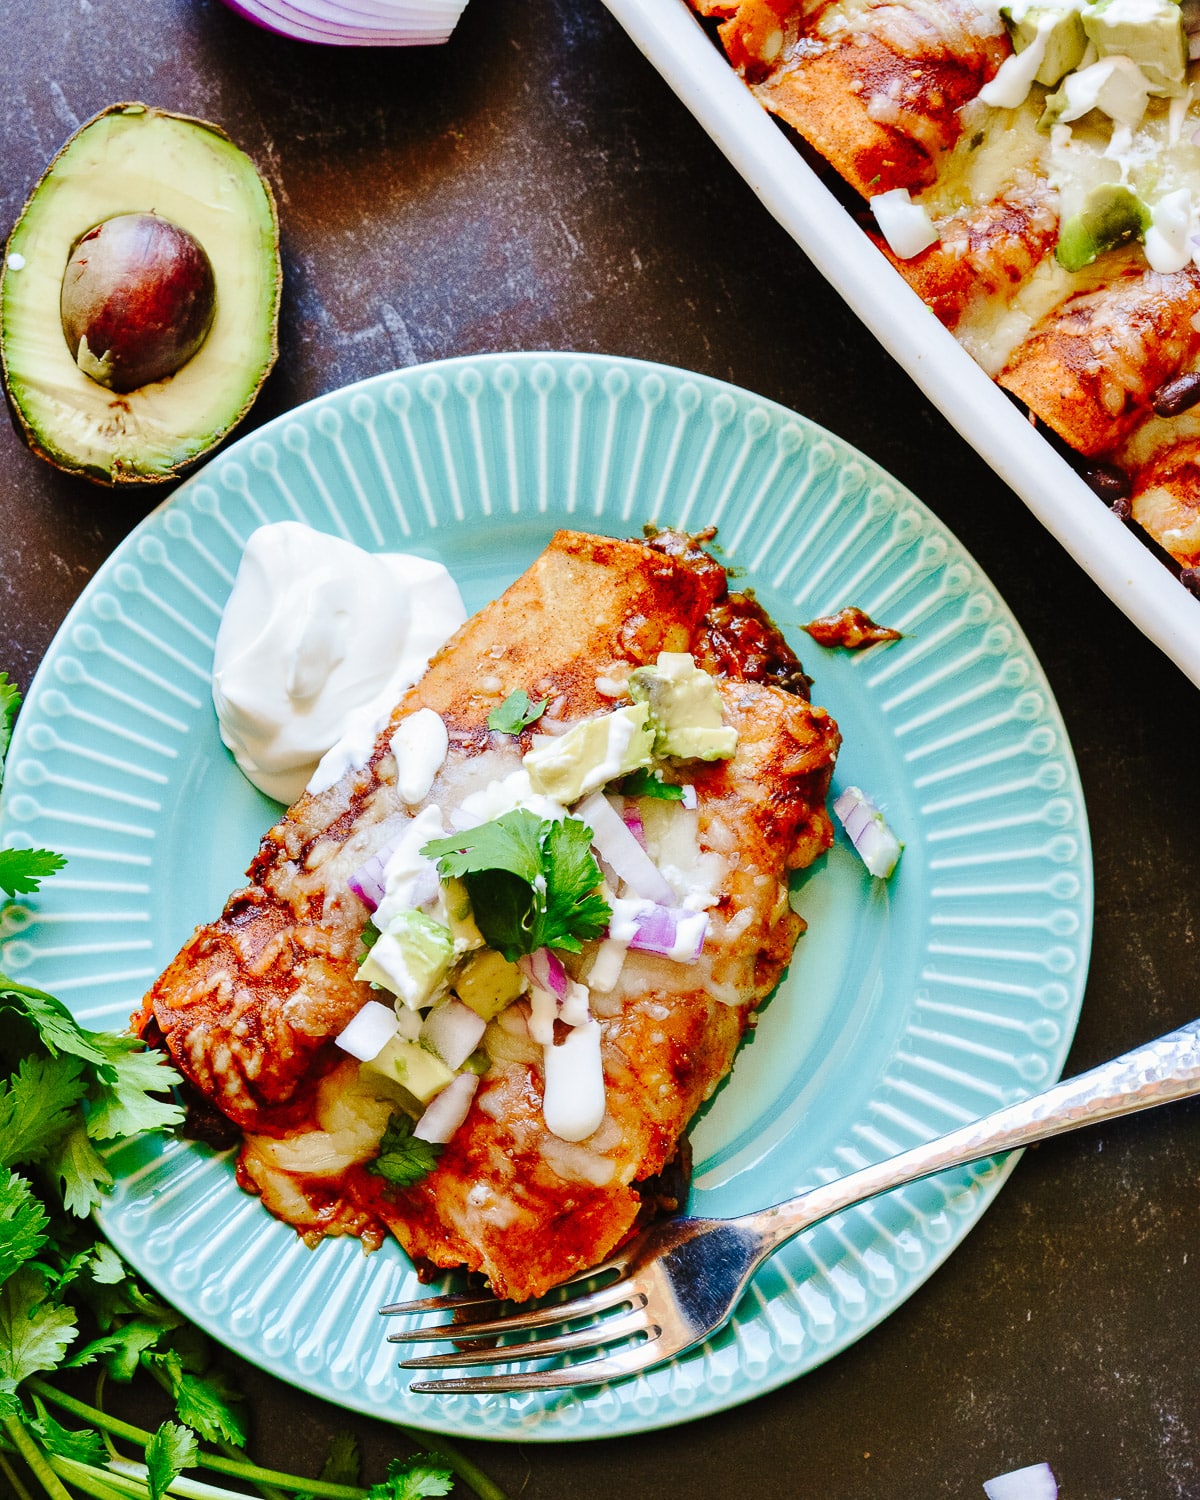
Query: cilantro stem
{"points": [[467, 1471], [125, 1485], [14, 1479], [235, 1467], [34, 1457]]}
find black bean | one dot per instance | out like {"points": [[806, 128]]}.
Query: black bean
{"points": [[1107, 480], [1177, 395]]}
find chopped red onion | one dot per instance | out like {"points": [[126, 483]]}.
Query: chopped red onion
{"points": [[633, 821], [544, 969], [453, 1030], [368, 882], [1036, 1482], [867, 829], [689, 799], [618, 847], [671, 931], [369, 1032], [447, 1110]]}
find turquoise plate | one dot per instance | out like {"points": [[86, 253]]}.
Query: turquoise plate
{"points": [[910, 1006]]}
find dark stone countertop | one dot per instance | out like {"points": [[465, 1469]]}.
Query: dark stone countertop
{"points": [[535, 185]]}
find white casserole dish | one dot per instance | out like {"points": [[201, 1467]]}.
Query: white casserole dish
{"points": [[1114, 556]]}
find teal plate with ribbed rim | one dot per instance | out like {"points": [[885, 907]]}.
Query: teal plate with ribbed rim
{"points": [[910, 1006]]}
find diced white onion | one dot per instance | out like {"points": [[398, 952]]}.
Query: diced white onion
{"points": [[446, 1111], [369, 1032], [1036, 1482], [453, 1030], [905, 225], [619, 849]]}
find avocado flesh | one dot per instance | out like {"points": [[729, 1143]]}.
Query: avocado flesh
{"points": [[1112, 215], [134, 159]]}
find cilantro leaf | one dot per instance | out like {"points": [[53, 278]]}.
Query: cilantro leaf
{"points": [[209, 1403], [516, 713], [403, 1158], [34, 1331], [23, 870], [35, 1106], [120, 1351], [414, 1478], [647, 783], [171, 1450], [84, 1445], [512, 842], [10, 701], [23, 1223], [533, 883], [575, 910], [343, 1461], [132, 1073], [57, 1027], [76, 1165]]}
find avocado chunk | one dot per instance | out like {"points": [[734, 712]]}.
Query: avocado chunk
{"points": [[1148, 32], [410, 958], [189, 333], [487, 982], [590, 754], [1062, 27], [1112, 215], [412, 1066], [685, 709]]}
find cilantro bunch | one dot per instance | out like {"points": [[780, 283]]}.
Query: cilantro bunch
{"points": [[69, 1304]]}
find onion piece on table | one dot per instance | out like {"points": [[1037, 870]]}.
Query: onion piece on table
{"points": [[1036, 1482]]}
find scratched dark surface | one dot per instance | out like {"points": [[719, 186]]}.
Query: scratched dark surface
{"points": [[534, 185]]}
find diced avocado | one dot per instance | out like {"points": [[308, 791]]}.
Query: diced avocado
{"points": [[166, 195], [412, 1066], [487, 982], [685, 709], [591, 754], [1148, 32], [456, 902], [1112, 215], [1065, 41], [411, 958]]}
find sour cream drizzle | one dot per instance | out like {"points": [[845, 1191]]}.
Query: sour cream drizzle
{"points": [[318, 641]]}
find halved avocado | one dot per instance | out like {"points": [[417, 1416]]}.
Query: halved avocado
{"points": [[135, 160]]}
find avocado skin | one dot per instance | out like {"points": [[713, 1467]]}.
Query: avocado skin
{"points": [[183, 448]]}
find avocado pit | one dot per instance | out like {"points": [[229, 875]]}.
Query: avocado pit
{"points": [[138, 299]]}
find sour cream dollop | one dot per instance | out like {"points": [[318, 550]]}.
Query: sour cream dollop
{"points": [[319, 635]]}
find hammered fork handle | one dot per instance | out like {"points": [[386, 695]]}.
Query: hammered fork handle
{"points": [[1165, 1069]]}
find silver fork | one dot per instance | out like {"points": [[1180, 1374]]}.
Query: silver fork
{"points": [[681, 1279]]}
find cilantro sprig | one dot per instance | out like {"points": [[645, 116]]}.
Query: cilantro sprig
{"points": [[403, 1159], [69, 1303], [516, 713], [533, 883], [21, 870]]}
